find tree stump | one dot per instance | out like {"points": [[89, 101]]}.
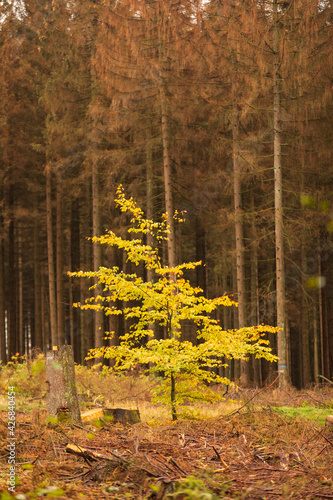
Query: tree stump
{"points": [[62, 396], [329, 424], [122, 415]]}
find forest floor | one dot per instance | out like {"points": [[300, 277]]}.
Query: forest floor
{"points": [[249, 450]]}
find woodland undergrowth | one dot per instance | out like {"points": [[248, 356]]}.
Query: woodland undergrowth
{"points": [[256, 444]]}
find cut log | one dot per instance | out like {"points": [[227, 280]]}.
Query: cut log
{"points": [[93, 455], [122, 415], [91, 415], [62, 396]]}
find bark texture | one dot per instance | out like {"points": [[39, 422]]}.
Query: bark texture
{"points": [[61, 381]]}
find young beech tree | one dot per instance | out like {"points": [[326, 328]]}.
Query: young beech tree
{"points": [[167, 301]]}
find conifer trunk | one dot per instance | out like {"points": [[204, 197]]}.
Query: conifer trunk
{"points": [[98, 317], [11, 328], [149, 192], [38, 340], [59, 260], [304, 340], [50, 259], [255, 313], [74, 290], [278, 205], [87, 318], [200, 250], [3, 352], [21, 349], [167, 175], [315, 344], [244, 377]]}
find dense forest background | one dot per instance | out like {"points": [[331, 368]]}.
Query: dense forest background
{"points": [[220, 109]]}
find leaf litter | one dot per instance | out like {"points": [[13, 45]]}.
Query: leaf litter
{"points": [[249, 454]]}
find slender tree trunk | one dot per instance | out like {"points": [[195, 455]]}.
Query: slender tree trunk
{"points": [[326, 302], [3, 352], [305, 341], [321, 317], [173, 397], [167, 174], [149, 205], [12, 302], [149, 191], [86, 317], [167, 170], [50, 259], [98, 324], [235, 324], [315, 345], [200, 250], [21, 339], [45, 341], [244, 375], [278, 206], [74, 287], [38, 341], [255, 301], [59, 261]]}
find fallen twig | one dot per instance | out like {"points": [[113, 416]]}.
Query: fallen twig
{"points": [[70, 439], [327, 379], [172, 460], [220, 458]]}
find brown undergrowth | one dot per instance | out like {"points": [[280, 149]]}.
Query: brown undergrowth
{"points": [[251, 453]]}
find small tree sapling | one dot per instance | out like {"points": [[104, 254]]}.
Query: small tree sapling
{"points": [[167, 302]]}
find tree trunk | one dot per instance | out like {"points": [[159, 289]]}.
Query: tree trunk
{"points": [[200, 250], [86, 317], [278, 205], [21, 339], [38, 339], [74, 287], [60, 375], [149, 206], [50, 259], [304, 340], [149, 191], [173, 397], [45, 341], [321, 317], [315, 345], [167, 170], [59, 260], [244, 375], [3, 352], [98, 317], [12, 327], [255, 298]]}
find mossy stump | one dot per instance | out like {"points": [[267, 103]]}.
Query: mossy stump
{"points": [[62, 395], [123, 415]]}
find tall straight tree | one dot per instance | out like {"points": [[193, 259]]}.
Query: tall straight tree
{"points": [[278, 201]]}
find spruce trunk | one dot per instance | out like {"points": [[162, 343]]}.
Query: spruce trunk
{"points": [[244, 377], [98, 323], [59, 250], [278, 206], [50, 259]]}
